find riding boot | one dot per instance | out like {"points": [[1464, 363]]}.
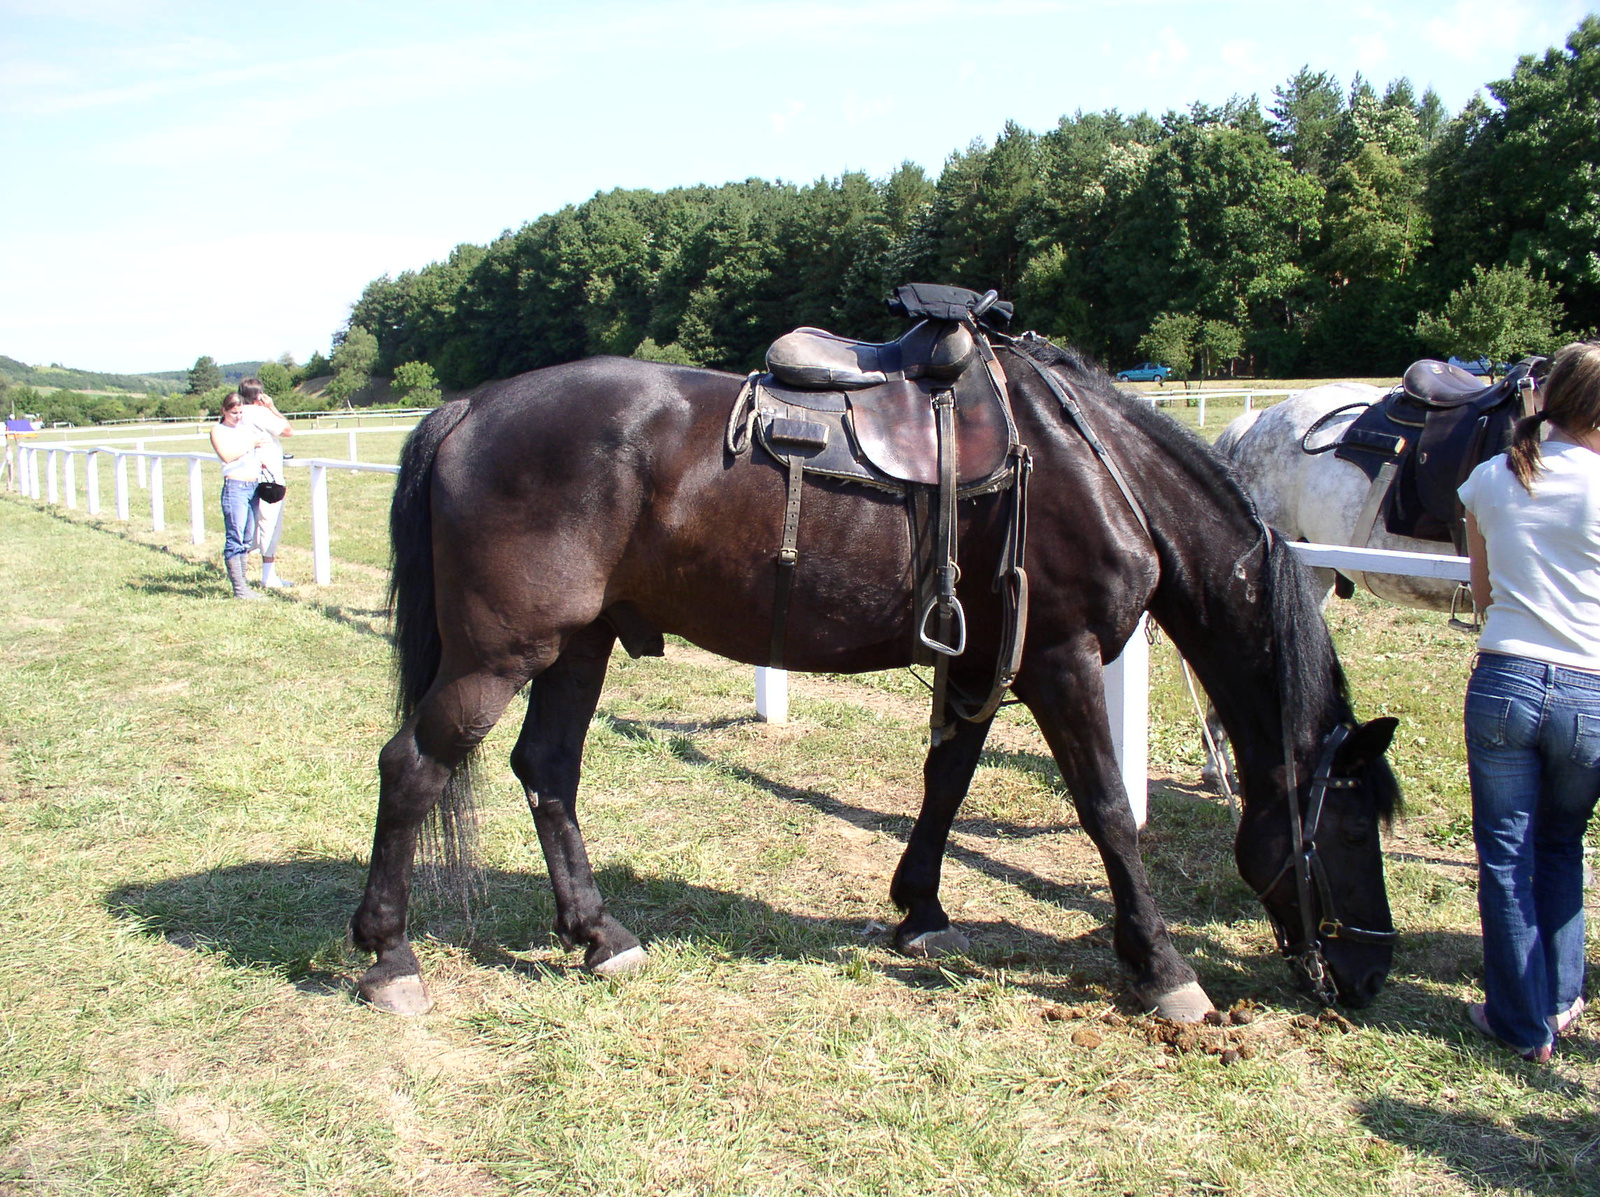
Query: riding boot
{"points": [[241, 585]]}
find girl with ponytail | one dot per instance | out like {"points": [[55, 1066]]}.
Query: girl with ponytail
{"points": [[1532, 715]]}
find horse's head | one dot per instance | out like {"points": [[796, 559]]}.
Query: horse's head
{"points": [[1318, 866]]}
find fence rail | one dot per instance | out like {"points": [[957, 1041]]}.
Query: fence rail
{"points": [[37, 471]]}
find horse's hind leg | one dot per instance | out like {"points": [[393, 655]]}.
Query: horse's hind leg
{"points": [[946, 777], [1065, 690], [547, 759], [414, 767]]}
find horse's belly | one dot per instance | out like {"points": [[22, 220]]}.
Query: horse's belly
{"points": [[713, 578]]}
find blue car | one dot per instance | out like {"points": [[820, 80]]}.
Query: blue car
{"points": [[1145, 372], [1480, 366]]}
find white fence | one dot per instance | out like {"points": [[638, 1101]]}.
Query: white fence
{"points": [[37, 470]]}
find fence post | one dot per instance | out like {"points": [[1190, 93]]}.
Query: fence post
{"points": [[91, 480], [52, 469], [1128, 704], [138, 447], [772, 694], [353, 456], [72, 480], [1247, 402], [197, 504], [121, 475], [1202, 410], [158, 498], [321, 562], [10, 466]]}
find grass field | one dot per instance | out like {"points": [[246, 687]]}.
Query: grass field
{"points": [[186, 791]]}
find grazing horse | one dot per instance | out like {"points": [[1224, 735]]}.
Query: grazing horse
{"points": [[545, 518], [1318, 497]]}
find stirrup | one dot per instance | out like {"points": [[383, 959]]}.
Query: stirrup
{"points": [[1456, 606], [961, 627]]}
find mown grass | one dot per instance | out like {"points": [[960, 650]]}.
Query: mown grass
{"points": [[186, 791]]}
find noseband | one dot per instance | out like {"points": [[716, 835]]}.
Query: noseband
{"points": [[1305, 955]]}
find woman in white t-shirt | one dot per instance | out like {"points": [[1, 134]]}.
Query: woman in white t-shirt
{"points": [[1532, 714], [238, 443]]}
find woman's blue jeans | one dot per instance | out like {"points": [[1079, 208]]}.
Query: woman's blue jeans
{"points": [[238, 517], [1533, 756]]}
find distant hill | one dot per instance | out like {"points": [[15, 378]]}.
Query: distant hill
{"points": [[65, 378], [232, 372]]}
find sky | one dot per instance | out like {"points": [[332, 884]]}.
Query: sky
{"points": [[188, 178]]}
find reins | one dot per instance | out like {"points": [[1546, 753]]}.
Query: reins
{"points": [[1305, 956]]}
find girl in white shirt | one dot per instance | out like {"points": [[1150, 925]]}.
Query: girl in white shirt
{"points": [[1532, 715]]}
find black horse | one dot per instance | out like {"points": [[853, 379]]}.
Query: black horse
{"points": [[552, 513]]}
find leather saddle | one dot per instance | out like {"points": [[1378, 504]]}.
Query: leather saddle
{"points": [[864, 411], [926, 417], [1435, 428]]}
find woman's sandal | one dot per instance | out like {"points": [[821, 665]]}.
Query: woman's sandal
{"points": [[1478, 1016]]}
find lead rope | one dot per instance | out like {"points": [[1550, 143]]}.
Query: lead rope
{"points": [[1213, 749]]}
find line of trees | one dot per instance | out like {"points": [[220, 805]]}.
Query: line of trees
{"points": [[1342, 230]]}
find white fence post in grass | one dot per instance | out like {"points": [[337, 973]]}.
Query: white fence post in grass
{"points": [[158, 497], [52, 472], [36, 469], [1128, 705], [353, 456], [71, 480], [321, 557], [138, 447], [120, 473], [772, 694], [1247, 401], [197, 504], [91, 480], [1202, 409]]}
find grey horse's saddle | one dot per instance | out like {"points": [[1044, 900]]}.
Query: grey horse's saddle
{"points": [[1434, 428]]}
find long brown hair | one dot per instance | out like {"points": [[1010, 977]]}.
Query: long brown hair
{"points": [[1571, 392]]}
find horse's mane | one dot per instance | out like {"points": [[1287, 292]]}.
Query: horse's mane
{"points": [[1317, 678]]}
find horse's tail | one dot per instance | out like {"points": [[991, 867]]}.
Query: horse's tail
{"points": [[411, 598], [451, 836]]}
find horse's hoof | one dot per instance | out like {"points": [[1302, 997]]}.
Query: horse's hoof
{"points": [[948, 942], [1186, 1003], [623, 963], [406, 996]]}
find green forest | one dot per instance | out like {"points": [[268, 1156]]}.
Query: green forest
{"points": [[1341, 229]]}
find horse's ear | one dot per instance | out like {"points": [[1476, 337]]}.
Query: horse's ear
{"points": [[1368, 742]]}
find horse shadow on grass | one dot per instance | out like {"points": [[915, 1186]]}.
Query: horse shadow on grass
{"points": [[288, 918]]}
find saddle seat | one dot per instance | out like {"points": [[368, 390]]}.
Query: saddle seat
{"points": [[814, 359]]}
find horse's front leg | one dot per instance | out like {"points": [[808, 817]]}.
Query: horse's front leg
{"points": [[946, 777], [547, 760], [1064, 687], [414, 768]]}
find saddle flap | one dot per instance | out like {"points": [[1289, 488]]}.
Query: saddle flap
{"points": [[894, 426]]}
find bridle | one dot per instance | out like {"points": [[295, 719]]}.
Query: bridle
{"points": [[1305, 954]]}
